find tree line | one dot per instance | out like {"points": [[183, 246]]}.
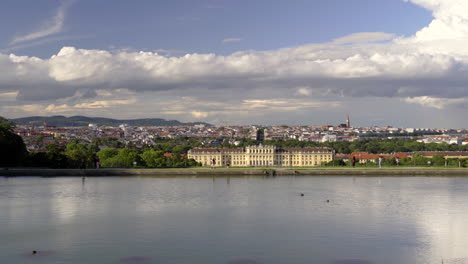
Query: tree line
{"points": [[79, 155], [373, 146], [417, 160]]}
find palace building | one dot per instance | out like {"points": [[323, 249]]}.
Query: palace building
{"points": [[262, 156]]}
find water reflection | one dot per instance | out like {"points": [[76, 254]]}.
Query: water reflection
{"points": [[366, 221]]}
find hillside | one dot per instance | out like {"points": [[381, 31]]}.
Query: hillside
{"points": [[77, 121]]}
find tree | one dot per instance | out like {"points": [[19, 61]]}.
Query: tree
{"points": [[438, 160], [260, 135], [56, 157], [80, 155], [153, 158], [106, 154], [419, 160], [389, 162], [106, 157], [180, 150], [12, 148], [335, 163], [114, 158]]}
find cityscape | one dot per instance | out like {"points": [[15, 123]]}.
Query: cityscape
{"points": [[234, 132], [38, 136], [232, 139]]}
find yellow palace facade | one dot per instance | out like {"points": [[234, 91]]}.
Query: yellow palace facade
{"points": [[262, 156]]}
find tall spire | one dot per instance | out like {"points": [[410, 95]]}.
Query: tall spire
{"points": [[348, 123]]}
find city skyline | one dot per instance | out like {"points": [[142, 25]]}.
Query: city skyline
{"points": [[398, 63]]}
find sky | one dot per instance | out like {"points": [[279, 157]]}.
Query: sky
{"points": [[296, 62]]}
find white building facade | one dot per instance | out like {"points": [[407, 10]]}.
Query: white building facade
{"points": [[261, 156]]}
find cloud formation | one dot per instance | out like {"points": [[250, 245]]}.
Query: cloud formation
{"points": [[438, 103], [429, 68], [231, 40], [53, 26], [364, 37]]}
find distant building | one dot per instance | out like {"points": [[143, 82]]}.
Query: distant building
{"points": [[329, 138], [348, 123], [446, 154], [449, 139], [262, 156]]}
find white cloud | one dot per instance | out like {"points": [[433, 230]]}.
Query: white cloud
{"points": [[231, 40], [429, 68], [104, 104], [284, 104], [303, 92], [42, 41], [364, 37], [8, 96], [168, 52], [448, 31], [89, 106], [438, 103], [53, 26], [198, 114]]}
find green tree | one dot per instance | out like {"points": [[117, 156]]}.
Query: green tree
{"points": [[123, 158], [80, 155], [38, 159], [335, 163], [127, 157], [153, 158], [106, 157], [12, 148], [419, 160], [106, 154], [438, 160], [56, 157], [389, 162]]}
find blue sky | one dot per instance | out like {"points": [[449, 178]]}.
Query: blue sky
{"points": [[386, 62], [200, 26]]}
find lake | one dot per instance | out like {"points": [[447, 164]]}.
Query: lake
{"points": [[235, 220]]}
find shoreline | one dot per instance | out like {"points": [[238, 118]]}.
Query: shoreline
{"points": [[402, 172]]}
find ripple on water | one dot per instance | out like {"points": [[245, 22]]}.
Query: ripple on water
{"points": [[352, 261], [243, 261], [135, 260]]}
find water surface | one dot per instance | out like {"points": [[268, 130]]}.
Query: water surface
{"points": [[236, 220]]}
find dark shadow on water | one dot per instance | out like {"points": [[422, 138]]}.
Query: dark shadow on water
{"points": [[136, 260], [41, 254], [243, 261]]}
